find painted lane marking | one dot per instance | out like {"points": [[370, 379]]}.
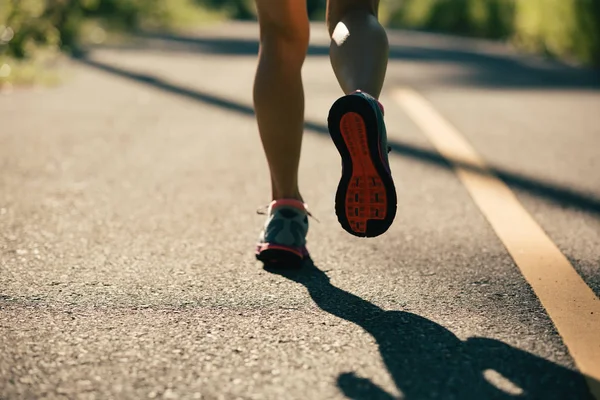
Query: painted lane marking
{"points": [[572, 306]]}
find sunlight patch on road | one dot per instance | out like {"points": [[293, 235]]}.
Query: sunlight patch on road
{"points": [[501, 382]]}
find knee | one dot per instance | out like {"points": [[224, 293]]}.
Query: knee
{"points": [[288, 39]]}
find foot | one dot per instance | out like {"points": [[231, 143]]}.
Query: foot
{"points": [[365, 202], [283, 239]]}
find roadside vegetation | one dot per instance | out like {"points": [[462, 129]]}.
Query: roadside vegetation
{"points": [[566, 29], [34, 33]]}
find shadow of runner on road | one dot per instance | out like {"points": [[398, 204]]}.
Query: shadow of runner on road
{"points": [[427, 361], [485, 69], [563, 196]]}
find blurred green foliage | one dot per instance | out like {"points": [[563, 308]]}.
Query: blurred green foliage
{"points": [[567, 28], [29, 25], [485, 18], [562, 28], [34, 32]]}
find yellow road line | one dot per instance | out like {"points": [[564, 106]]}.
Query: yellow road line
{"points": [[570, 303]]}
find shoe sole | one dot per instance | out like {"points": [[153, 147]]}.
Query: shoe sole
{"points": [[280, 255], [365, 201]]}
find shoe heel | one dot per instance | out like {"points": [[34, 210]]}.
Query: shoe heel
{"points": [[366, 196]]}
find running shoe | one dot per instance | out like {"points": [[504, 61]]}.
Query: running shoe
{"points": [[283, 239], [365, 202]]}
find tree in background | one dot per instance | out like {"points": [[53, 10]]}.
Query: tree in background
{"points": [[561, 28], [28, 25]]}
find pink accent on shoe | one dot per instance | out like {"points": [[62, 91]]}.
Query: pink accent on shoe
{"points": [[380, 105], [288, 203], [299, 251]]}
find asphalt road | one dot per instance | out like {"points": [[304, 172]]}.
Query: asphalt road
{"points": [[127, 225]]}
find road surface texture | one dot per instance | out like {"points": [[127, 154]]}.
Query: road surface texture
{"points": [[128, 200]]}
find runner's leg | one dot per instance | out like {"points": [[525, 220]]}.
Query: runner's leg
{"points": [[278, 90], [365, 201], [359, 46]]}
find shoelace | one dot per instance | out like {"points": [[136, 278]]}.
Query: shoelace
{"points": [[265, 209], [262, 210]]}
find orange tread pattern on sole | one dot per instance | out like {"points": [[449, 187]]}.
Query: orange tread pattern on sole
{"points": [[366, 197]]}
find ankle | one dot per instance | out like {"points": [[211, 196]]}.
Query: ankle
{"points": [[283, 195], [293, 198]]}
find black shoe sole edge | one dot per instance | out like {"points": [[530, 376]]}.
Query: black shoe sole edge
{"points": [[279, 258], [361, 106]]}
